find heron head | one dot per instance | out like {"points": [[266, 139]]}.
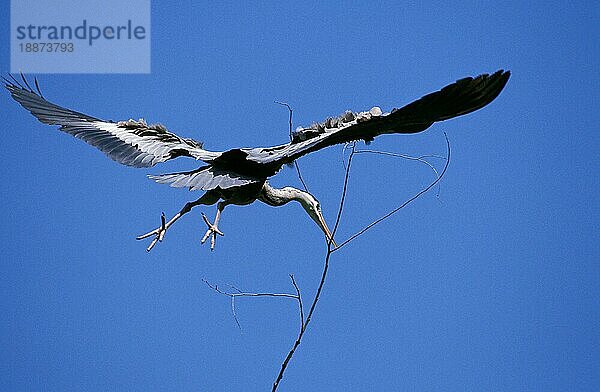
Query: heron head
{"points": [[312, 206]]}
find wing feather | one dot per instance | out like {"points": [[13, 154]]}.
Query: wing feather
{"points": [[206, 178], [459, 98], [131, 143]]}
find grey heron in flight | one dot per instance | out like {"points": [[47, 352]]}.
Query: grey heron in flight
{"points": [[240, 176]]}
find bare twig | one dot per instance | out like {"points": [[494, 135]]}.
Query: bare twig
{"points": [[291, 125], [346, 146], [323, 278], [411, 158], [343, 198], [384, 217], [299, 301], [330, 250], [405, 156], [240, 293]]}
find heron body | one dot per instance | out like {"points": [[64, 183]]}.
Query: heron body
{"points": [[239, 176]]}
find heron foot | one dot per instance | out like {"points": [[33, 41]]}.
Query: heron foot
{"points": [[159, 233], [212, 232]]}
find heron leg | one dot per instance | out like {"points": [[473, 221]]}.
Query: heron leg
{"points": [[213, 228], [159, 232]]}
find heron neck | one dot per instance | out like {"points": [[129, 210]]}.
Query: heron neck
{"points": [[278, 197]]}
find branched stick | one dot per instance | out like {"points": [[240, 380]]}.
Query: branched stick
{"points": [[240, 293], [384, 217], [305, 322], [323, 277], [330, 250]]}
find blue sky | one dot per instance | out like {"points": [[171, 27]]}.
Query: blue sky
{"points": [[492, 287]]}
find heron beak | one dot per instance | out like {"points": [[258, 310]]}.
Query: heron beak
{"points": [[323, 225]]}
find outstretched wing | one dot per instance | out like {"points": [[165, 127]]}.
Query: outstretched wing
{"points": [[462, 97], [131, 143], [206, 178]]}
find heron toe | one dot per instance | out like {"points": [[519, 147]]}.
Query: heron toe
{"points": [[212, 232], [159, 233]]}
